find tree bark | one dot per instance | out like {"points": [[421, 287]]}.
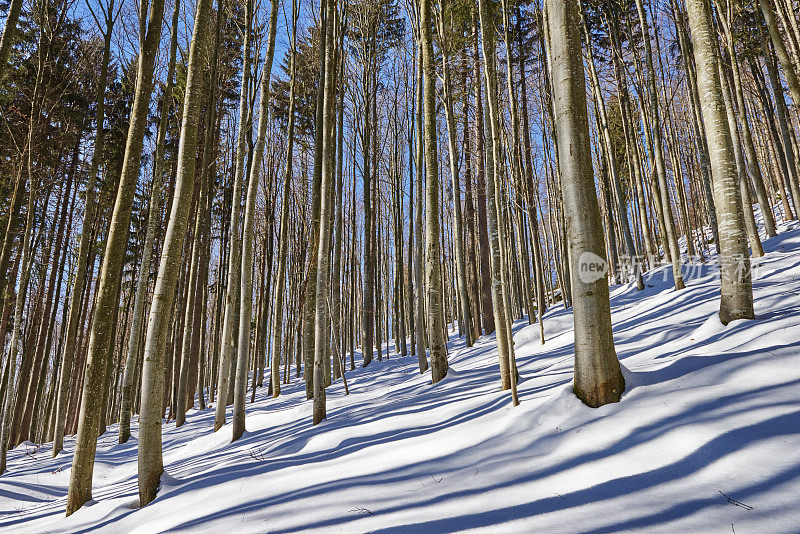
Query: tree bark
{"points": [[433, 273], [7, 38], [80, 487], [501, 309], [487, 312], [16, 332], [280, 277], [240, 389], [598, 379], [232, 294], [419, 255], [75, 301], [151, 463], [153, 218], [671, 239], [737, 292]]}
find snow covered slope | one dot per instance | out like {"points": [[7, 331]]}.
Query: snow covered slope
{"points": [[705, 439]]}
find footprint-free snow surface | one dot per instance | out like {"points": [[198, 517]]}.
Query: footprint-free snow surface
{"points": [[705, 439]]}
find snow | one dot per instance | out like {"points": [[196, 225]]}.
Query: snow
{"points": [[705, 439]]}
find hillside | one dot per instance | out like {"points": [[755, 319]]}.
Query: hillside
{"points": [[705, 439]]}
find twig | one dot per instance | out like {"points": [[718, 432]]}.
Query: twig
{"points": [[361, 510], [258, 455], [737, 503]]}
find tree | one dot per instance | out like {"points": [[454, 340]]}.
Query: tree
{"points": [[324, 150], [247, 242], [233, 289], [737, 290], [19, 306], [502, 320], [147, 248], [449, 40], [151, 464], [73, 317], [280, 283], [433, 274], [7, 38], [80, 486], [655, 116], [598, 379]]}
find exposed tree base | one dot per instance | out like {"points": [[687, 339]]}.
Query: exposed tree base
{"points": [[604, 393]]}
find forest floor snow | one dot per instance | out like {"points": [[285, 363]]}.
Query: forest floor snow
{"points": [[706, 437]]}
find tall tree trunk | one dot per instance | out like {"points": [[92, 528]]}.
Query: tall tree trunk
{"points": [[336, 289], [531, 193], [433, 273], [598, 379], [502, 312], [280, 277], [419, 255], [80, 487], [473, 281], [747, 138], [26, 264], [671, 239], [153, 218], [700, 143], [308, 325], [737, 291], [75, 301], [193, 244], [322, 314], [45, 328], [465, 324], [232, 295], [487, 312], [741, 171], [620, 209], [151, 463], [246, 277]]}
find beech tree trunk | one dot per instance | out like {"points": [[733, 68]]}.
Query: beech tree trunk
{"points": [[80, 486], [233, 288], [433, 272], [151, 463], [246, 308], [670, 239], [737, 292], [500, 301], [153, 218], [598, 379], [487, 311], [741, 170], [465, 323], [419, 255], [280, 277]]}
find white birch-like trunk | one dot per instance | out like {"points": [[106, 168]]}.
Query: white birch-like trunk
{"points": [[737, 292], [151, 463], [598, 379], [246, 277]]}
